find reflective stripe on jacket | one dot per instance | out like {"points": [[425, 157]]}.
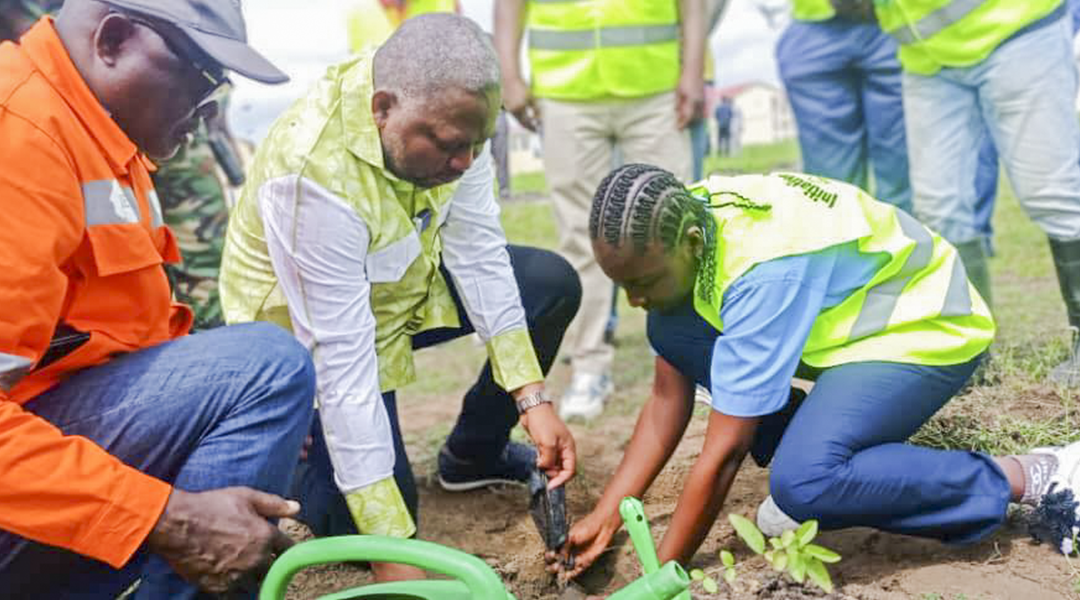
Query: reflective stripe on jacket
{"points": [[918, 308]]}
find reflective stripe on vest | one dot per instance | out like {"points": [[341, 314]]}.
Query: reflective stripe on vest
{"points": [[109, 203], [881, 300], [934, 22], [156, 219], [605, 37], [958, 298], [12, 369]]}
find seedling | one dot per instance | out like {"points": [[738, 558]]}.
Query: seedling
{"points": [[792, 552]]}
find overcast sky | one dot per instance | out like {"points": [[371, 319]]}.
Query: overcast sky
{"points": [[304, 36]]}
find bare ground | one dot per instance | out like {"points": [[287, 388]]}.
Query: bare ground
{"points": [[494, 524]]}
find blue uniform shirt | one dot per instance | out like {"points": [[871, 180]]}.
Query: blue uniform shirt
{"points": [[768, 313]]}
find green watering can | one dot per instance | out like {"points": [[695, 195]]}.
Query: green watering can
{"points": [[472, 579]]}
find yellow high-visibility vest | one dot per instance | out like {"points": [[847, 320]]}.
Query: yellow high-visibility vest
{"points": [[919, 307], [370, 22], [954, 33], [593, 49], [812, 10]]}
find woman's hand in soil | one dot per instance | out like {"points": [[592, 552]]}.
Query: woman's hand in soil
{"points": [[396, 572], [557, 455], [588, 539], [213, 539]]}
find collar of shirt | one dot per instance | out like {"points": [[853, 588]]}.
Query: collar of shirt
{"points": [[357, 85], [42, 45]]}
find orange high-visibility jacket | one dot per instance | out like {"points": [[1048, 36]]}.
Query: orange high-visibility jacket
{"points": [[82, 244]]}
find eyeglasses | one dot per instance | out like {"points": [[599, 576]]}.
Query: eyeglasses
{"points": [[216, 84]]}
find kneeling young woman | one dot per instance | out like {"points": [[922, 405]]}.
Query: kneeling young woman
{"points": [[752, 280]]}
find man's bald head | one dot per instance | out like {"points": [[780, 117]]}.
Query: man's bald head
{"points": [[436, 97], [434, 52]]}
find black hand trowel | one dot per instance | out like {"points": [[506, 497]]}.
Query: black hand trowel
{"points": [[548, 510]]}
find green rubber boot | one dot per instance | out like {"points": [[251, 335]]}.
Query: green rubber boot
{"points": [[973, 255], [1067, 263]]}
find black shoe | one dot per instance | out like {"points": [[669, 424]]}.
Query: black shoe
{"points": [[513, 465]]}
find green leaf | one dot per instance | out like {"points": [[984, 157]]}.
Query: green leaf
{"points": [[819, 574], [780, 561], [729, 575], [822, 553], [697, 574], [796, 565], [710, 585], [775, 541], [788, 538], [769, 554], [748, 532], [727, 558], [806, 532]]}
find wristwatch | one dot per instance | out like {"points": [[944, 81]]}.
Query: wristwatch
{"points": [[532, 400]]}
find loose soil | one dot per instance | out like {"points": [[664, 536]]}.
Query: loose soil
{"points": [[494, 524]]}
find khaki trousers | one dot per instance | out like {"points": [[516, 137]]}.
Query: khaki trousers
{"points": [[579, 142]]}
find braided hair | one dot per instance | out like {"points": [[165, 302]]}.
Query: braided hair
{"points": [[643, 204]]}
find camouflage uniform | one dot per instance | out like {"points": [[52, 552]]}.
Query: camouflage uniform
{"points": [[193, 193]]}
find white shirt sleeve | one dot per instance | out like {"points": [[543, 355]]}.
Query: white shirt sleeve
{"points": [[474, 251], [318, 246]]}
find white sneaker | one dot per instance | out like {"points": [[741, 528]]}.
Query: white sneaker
{"points": [[585, 397], [772, 521], [1056, 518]]}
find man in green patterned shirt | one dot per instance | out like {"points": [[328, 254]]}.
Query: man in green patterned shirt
{"points": [[369, 227]]}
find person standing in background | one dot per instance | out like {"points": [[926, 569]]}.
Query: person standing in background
{"points": [[1006, 70], [623, 75], [843, 82]]}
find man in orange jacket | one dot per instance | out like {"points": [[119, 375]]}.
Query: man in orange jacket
{"points": [[127, 448]]}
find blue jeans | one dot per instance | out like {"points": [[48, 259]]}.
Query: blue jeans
{"points": [[843, 82], [550, 294], [201, 412], [1023, 94], [841, 457]]}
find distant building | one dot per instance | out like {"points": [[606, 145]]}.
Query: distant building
{"points": [[764, 116]]}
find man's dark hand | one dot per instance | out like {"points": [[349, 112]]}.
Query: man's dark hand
{"points": [[556, 453], [519, 101], [213, 539]]}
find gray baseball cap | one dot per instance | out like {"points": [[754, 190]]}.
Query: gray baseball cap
{"points": [[216, 27]]}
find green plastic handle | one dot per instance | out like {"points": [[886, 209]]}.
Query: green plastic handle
{"points": [[481, 581], [632, 512], [665, 583]]}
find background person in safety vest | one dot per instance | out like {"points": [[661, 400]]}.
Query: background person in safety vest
{"points": [[843, 82], [130, 449], [605, 74], [986, 181], [1003, 68], [355, 233], [808, 276]]}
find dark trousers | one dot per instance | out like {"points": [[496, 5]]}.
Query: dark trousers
{"points": [[550, 294], [841, 456]]}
